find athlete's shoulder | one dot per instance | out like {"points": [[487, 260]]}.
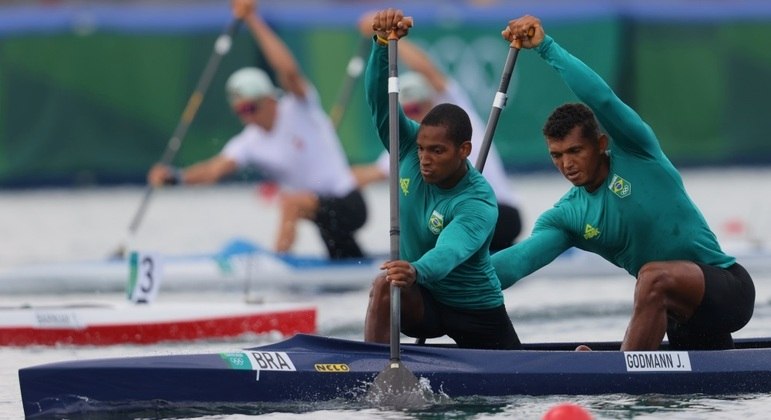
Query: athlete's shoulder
{"points": [[562, 208], [479, 184], [249, 133], [570, 195]]}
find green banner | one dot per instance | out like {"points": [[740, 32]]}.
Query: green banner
{"points": [[99, 108]]}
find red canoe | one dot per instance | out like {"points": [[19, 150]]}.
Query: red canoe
{"points": [[127, 323]]}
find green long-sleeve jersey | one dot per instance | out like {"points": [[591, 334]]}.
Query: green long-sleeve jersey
{"points": [[641, 213], [445, 233]]}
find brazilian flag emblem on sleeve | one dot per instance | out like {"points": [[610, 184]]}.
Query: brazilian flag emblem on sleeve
{"points": [[436, 222]]}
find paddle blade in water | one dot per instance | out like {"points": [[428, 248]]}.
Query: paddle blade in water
{"points": [[397, 387]]}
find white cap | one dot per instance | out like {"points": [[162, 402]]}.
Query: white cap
{"points": [[413, 87], [249, 83]]}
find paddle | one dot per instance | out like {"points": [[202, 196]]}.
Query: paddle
{"points": [[352, 72], [499, 101], [395, 386], [221, 47]]}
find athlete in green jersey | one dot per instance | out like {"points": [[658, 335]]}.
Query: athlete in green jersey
{"points": [[448, 212], [629, 205]]}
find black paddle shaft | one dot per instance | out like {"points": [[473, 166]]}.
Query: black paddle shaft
{"points": [[499, 102], [395, 386], [393, 148], [221, 47]]}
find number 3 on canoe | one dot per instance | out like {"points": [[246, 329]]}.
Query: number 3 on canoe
{"points": [[145, 272]]}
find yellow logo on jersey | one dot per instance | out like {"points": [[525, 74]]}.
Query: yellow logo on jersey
{"points": [[591, 232], [405, 184], [621, 187], [436, 222]]}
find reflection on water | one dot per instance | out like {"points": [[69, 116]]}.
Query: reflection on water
{"points": [[613, 406], [680, 406]]}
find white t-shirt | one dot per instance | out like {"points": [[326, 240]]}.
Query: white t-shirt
{"points": [[302, 152], [493, 171]]}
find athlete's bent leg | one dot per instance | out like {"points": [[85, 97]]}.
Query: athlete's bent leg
{"points": [[378, 318], [293, 207], [377, 323], [664, 289]]}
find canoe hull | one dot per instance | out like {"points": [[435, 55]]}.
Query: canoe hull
{"points": [[312, 369], [108, 324]]}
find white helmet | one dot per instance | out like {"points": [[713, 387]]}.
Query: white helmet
{"points": [[249, 83], [413, 87]]}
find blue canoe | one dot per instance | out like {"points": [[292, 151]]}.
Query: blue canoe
{"points": [[307, 368]]}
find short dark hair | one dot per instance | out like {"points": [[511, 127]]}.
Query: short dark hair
{"points": [[453, 118], [566, 117]]}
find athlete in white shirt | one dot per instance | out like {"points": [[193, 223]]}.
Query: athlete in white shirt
{"points": [[290, 139]]}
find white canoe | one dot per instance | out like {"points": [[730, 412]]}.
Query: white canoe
{"points": [[242, 266], [239, 266], [105, 323]]}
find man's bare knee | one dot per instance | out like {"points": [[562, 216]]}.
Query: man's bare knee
{"points": [[653, 281], [377, 319], [289, 209], [299, 205], [380, 288]]}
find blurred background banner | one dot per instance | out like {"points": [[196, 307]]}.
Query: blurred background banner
{"points": [[90, 91]]}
